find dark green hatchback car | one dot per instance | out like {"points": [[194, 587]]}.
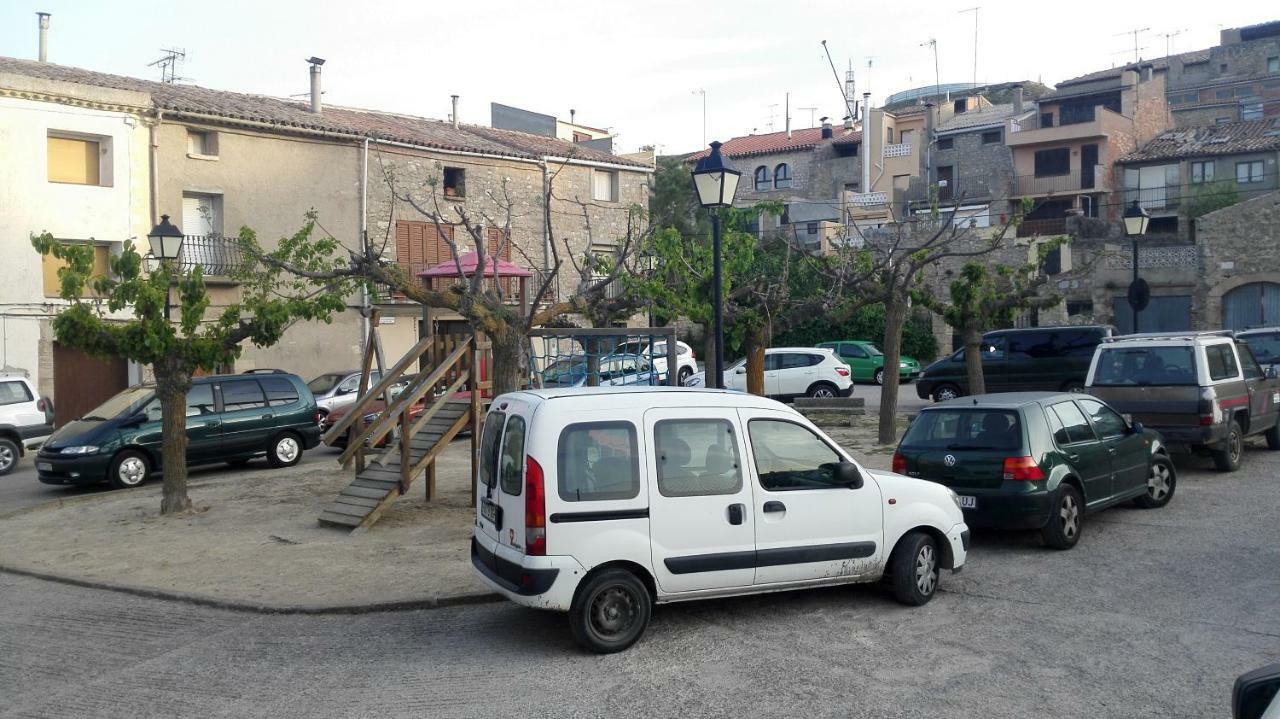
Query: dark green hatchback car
{"points": [[231, 419], [1036, 460]]}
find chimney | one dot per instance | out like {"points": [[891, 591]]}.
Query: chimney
{"points": [[454, 117], [827, 134], [848, 123], [787, 113], [44, 36], [572, 114], [1129, 77], [316, 62], [1147, 70], [1017, 99]]}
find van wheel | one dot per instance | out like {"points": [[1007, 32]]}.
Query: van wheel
{"points": [[129, 469], [1066, 519], [1228, 457], [823, 390], [914, 569], [685, 374], [944, 392], [9, 454], [285, 451], [1161, 481], [610, 611], [1272, 435]]}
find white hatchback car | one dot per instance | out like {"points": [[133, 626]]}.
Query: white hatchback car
{"points": [[686, 361], [26, 420], [602, 506], [791, 372]]}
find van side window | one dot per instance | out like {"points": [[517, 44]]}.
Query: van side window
{"points": [[1222, 362], [1072, 427], [200, 400], [697, 457], [511, 462], [280, 391], [598, 461], [13, 393], [789, 456], [489, 448], [241, 395]]}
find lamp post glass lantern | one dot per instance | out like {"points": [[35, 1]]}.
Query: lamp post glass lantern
{"points": [[166, 244], [716, 183], [1136, 219]]}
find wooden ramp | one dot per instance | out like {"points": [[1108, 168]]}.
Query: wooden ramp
{"points": [[413, 427]]}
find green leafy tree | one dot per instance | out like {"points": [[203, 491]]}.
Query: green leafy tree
{"points": [[268, 305], [1209, 196], [672, 200], [985, 297]]}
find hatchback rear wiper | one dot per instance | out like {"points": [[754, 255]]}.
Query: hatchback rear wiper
{"points": [[92, 418], [957, 445]]}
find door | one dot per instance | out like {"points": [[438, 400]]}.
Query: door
{"points": [[1090, 458], [702, 531], [1029, 362], [807, 527], [1088, 164], [247, 421], [1264, 404], [796, 372], [82, 382], [860, 364], [1130, 455], [997, 373], [772, 372], [204, 428]]}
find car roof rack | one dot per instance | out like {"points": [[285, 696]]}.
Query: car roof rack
{"points": [[1184, 335]]}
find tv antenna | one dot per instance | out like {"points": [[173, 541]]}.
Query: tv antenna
{"points": [[1135, 33], [168, 64], [1168, 40], [813, 112], [848, 101], [974, 10], [773, 111], [937, 76]]}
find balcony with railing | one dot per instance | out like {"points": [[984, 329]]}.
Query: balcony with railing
{"points": [[510, 286], [1041, 227], [901, 149], [1084, 124], [218, 256], [1096, 180], [1154, 199]]}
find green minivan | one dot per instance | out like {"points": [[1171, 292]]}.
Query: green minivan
{"points": [[231, 418], [866, 361]]}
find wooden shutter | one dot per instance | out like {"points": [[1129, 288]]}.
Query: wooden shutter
{"points": [[495, 240], [74, 161]]}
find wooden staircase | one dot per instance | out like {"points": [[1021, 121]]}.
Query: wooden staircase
{"points": [[452, 393]]}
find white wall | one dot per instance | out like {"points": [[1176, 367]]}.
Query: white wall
{"points": [[29, 203]]}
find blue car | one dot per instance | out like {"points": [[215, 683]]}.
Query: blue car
{"points": [[615, 371]]}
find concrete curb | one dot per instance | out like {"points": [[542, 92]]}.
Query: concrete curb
{"points": [[404, 605]]}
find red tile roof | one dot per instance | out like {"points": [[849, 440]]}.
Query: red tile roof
{"points": [[772, 142], [296, 116], [1227, 139]]}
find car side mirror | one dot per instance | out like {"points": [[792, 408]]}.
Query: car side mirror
{"points": [[847, 475], [343, 390], [740, 370], [1255, 692], [1136, 428], [1272, 372], [134, 422]]}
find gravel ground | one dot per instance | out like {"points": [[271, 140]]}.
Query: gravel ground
{"points": [[1153, 614]]}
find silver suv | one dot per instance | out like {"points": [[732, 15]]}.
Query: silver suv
{"points": [[26, 420]]}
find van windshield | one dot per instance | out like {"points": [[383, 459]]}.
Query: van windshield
{"points": [[1265, 347], [964, 429], [324, 383], [1143, 366], [122, 405]]}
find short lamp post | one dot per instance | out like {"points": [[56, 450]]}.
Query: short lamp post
{"points": [[1135, 226], [166, 244], [648, 263], [716, 183]]}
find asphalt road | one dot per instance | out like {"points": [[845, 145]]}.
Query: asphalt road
{"points": [[21, 488], [1153, 614]]}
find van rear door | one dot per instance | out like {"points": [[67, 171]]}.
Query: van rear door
{"points": [[491, 517]]}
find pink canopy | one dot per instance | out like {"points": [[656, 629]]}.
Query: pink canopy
{"points": [[449, 268]]}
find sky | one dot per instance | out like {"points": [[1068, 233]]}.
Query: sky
{"points": [[641, 69]]}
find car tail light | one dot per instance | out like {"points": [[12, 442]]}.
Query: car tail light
{"points": [[842, 371], [535, 510], [1022, 468], [319, 417], [42, 405], [899, 463]]}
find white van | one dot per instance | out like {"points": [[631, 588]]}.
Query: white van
{"points": [[601, 502]]}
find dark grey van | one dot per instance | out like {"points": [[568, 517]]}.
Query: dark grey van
{"points": [[1050, 359]]}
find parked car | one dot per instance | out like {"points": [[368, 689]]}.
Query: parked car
{"points": [[1036, 460], [1264, 342], [686, 361], [230, 418], [615, 370], [1256, 694], [791, 372], [600, 503], [866, 361], [338, 389], [1204, 392], [26, 420], [1049, 359], [374, 411]]}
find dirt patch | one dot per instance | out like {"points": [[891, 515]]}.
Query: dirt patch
{"points": [[254, 538]]}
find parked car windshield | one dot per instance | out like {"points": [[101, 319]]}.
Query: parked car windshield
{"points": [[964, 429], [1141, 366], [1265, 347], [122, 405], [324, 383]]}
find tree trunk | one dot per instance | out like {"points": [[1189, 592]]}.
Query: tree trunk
{"points": [[709, 355], [895, 316], [754, 345], [973, 361], [506, 345], [592, 346], [172, 383]]}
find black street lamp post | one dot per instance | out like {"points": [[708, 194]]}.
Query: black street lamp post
{"points": [[166, 244], [1135, 226], [716, 183]]}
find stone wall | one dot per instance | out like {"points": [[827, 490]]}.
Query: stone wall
{"points": [[982, 172], [1239, 246]]}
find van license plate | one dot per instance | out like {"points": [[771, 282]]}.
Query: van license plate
{"points": [[44, 467], [491, 512], [968, 502]]}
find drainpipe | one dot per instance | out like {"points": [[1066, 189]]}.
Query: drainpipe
{"points": [[155, 166], [866, 142], [44, 36], [365, 304]]}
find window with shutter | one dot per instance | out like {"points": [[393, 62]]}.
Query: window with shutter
{"points": [[604, 185], [74, 160]]}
